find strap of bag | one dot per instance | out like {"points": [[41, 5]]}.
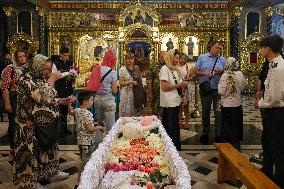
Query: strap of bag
{"points": [[214, 66], [106, 75]]}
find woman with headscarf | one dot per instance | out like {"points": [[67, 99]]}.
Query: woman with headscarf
{"points": [[230, 86], [37, 105], [170, 96], [103, 81], [130, 81]]}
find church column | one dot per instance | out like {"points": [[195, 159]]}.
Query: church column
{"points": [[11, 14], [201, 46], [181, 44], [235, 33], [157, 50], [43, 46], [268, 11]]}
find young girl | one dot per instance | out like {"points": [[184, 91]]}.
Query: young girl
{"points": [[230, 87]]}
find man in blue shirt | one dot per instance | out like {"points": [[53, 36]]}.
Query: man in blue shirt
{"points": [[206, 71]]}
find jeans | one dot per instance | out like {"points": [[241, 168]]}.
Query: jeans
{"points": [[206, 102], [105, 108]]}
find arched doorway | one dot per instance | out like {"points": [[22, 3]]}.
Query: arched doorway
{"points": [[139, 34]]}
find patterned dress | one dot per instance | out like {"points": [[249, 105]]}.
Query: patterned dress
{"points": [[36, 102], [153, 78], [126, 105]]}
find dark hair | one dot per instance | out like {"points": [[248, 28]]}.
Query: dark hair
{"points": [[84, 96], [64, 50], [211, 44], [176, 52], [20, 50], [7, 53], [275, 42]]}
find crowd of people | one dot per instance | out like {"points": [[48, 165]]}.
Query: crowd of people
{"points": [[37, 92]]}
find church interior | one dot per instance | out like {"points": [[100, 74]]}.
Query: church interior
{"points": [[146, 28]]}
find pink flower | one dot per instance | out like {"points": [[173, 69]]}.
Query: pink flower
{"points": [[147, 120]]}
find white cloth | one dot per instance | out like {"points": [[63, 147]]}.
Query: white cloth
{"points": [[82, 118], [169, 98], [63, 74], [274, 85], [233, 99]]}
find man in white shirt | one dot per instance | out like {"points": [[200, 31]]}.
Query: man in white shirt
{"points": [[273, 102]]}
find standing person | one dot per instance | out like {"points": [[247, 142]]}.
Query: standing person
{"points": [[272, 101], [153, 83], [209, 68], [186, 76], [37, 105], [85, 128], [170, 96], [10, 77], [63, 86], [259, 94], [128, 75], [103, 81], [230, 87]]}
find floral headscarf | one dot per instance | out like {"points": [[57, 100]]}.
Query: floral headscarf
{"points": [[169, 58], [35, 65], [231, 67]]}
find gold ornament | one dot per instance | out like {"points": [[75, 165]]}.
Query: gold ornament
{"points": [[8, 11]]}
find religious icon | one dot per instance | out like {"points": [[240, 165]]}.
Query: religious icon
{"points": [[170, 44], [190, 46], [148, 19], [253, 58], [128, 19], [139, 18], [279, 28], [97, 51], [253, 21]]}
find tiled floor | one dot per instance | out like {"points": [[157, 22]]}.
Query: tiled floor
{"points": [[201, 159]]}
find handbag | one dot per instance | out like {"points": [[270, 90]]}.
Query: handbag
{"points": [[49, 134], [205, 87]]}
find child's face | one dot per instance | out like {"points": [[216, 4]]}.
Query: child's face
{"points": [[90, 102]]}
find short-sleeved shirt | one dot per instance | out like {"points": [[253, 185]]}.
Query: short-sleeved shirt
{"points": [[263, 73], [205, 63], [9, 82], [107, 82], [82, 118], [169, 98]]}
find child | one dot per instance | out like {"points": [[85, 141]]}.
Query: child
{"points": [[85, 127]]}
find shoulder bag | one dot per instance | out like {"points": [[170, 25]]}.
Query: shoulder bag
{"points": [[205, 87]]}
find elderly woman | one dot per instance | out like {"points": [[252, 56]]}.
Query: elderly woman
{"points": [[230, 87], [36, 105], [170, 95]]}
